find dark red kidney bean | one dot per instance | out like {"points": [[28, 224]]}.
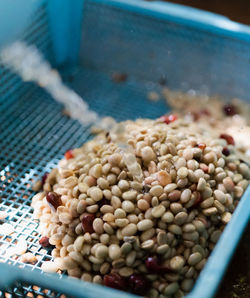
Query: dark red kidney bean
{"points": [[230, 110], [44, 241], [138, 284], [87, 223], [115, 281], [228, 138], [54, 200]]}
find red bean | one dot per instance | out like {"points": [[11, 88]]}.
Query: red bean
{"points": [[87, 223], [115, 281], [202, 146], [44, 177], [103, 202], [205, 112], [68, 154], [153, 265], [198, 200], [44, 241], [230, 110], [139, 284], [225, 151], [228, 138], [119, 77], [54, 200], [168, 118]]}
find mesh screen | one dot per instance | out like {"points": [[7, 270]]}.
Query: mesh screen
{"points": [[37, 33]]}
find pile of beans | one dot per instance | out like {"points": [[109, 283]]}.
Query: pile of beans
{"points": [[152, 233]]}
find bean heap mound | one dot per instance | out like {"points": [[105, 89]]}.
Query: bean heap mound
{"points": [[142, 215]]}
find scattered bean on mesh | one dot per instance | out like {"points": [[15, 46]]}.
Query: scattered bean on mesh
{"points": [[141, 212]]}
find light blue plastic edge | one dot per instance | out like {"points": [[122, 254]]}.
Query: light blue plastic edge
{"points": [[200, 19], [65, 18], [69, 286]]}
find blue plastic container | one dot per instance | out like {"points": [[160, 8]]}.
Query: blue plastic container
{"points": [[88, 40]]}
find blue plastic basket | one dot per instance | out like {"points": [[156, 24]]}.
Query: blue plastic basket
{"points": [[145, 40]]}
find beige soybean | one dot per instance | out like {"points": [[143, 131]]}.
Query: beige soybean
{"points": [[158, 211], [114, 251], [129, 230], [167, 217], [145, 224], [128, 206], [95, 193], [194, 258], [161, 238], [162, 249], [171, 288], [176, 263], [156, 190], [129, 195], [207, 203], [180, 218], [176, 207], [102, 252], [185, 195], [175, 229]]}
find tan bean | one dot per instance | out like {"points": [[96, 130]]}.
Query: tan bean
{"points": [[185, 195], [126, 248], [129, 195], [209, 211], [176, 207], [95, 193], [162, 249], [167, 217], [98, 225], [147, 154], [130, 259], [156, 190], [128, 206], [143, 205], [170, 187], [114, 251], [171, 288], [147, 245], [145, 224], [226, 217], [175, 229], [194, 258], [129, 230], [174, 195], [180, 218], [207, 203], [102, 252], [161, 238], [176, 263], [148, 234], [158, 211]]}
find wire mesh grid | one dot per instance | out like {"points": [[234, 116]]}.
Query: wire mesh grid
{"points": [[34, 136]]}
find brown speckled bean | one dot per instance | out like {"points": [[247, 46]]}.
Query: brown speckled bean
{"points": [[194, 258]]}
